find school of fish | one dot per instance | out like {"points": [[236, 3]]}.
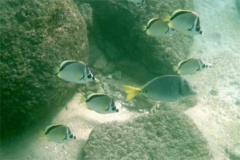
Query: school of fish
{"points": [[165, 88]]}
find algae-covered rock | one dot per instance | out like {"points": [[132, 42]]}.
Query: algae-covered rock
{"points": [[120, 24], [35, 37], [166, 134]]}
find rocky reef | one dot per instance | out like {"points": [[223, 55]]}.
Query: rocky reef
{"points": [[35, 37], [166, 134], [116, 27]]}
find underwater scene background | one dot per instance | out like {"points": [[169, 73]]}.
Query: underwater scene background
{"points": [[36, 36]]}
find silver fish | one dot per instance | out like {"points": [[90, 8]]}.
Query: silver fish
{"points": [[167, 88], [191, 66], [101, 103], [186, 22], [75, 71], [58, 133]]}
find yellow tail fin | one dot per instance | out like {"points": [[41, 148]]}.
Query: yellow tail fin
{"points": [[131, 92]]}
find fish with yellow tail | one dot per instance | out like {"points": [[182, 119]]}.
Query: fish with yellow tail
{"points": [[168, 88]]}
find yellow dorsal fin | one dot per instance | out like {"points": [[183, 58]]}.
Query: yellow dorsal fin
{"points": [[56, 70], [166, 17], [131, 92], [175, 68], [144, 28]]}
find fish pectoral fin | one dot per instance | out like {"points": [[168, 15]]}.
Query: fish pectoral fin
{"points": [[104, 108], [131, 92], [63, 137], [77, 76]]}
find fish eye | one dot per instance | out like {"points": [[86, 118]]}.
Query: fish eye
{"points": [[71, 136], [200, 32], [117, 110], [114, 108], [89, 76]]}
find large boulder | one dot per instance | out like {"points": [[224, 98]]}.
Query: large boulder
{"points": [[116, 27], [35, 37], [166, 134]]}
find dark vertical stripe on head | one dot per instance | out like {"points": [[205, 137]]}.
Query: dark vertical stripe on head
{"points": [[51, 128], [198, 24], [88, 71], [94, 96], [200, 65], [68, 134], [66, 64], [178, 14]]}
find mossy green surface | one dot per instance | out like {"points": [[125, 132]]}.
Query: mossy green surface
{"points": [[166, 134], [140, 56], [35, 37]]}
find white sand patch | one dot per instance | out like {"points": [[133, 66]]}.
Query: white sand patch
{"points": [[81, 122], [217, 113]]}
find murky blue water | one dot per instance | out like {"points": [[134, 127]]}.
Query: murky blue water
{"points": [[214, 111]]}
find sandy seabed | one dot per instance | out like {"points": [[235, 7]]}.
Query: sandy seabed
{"points": [[217, 113]]}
